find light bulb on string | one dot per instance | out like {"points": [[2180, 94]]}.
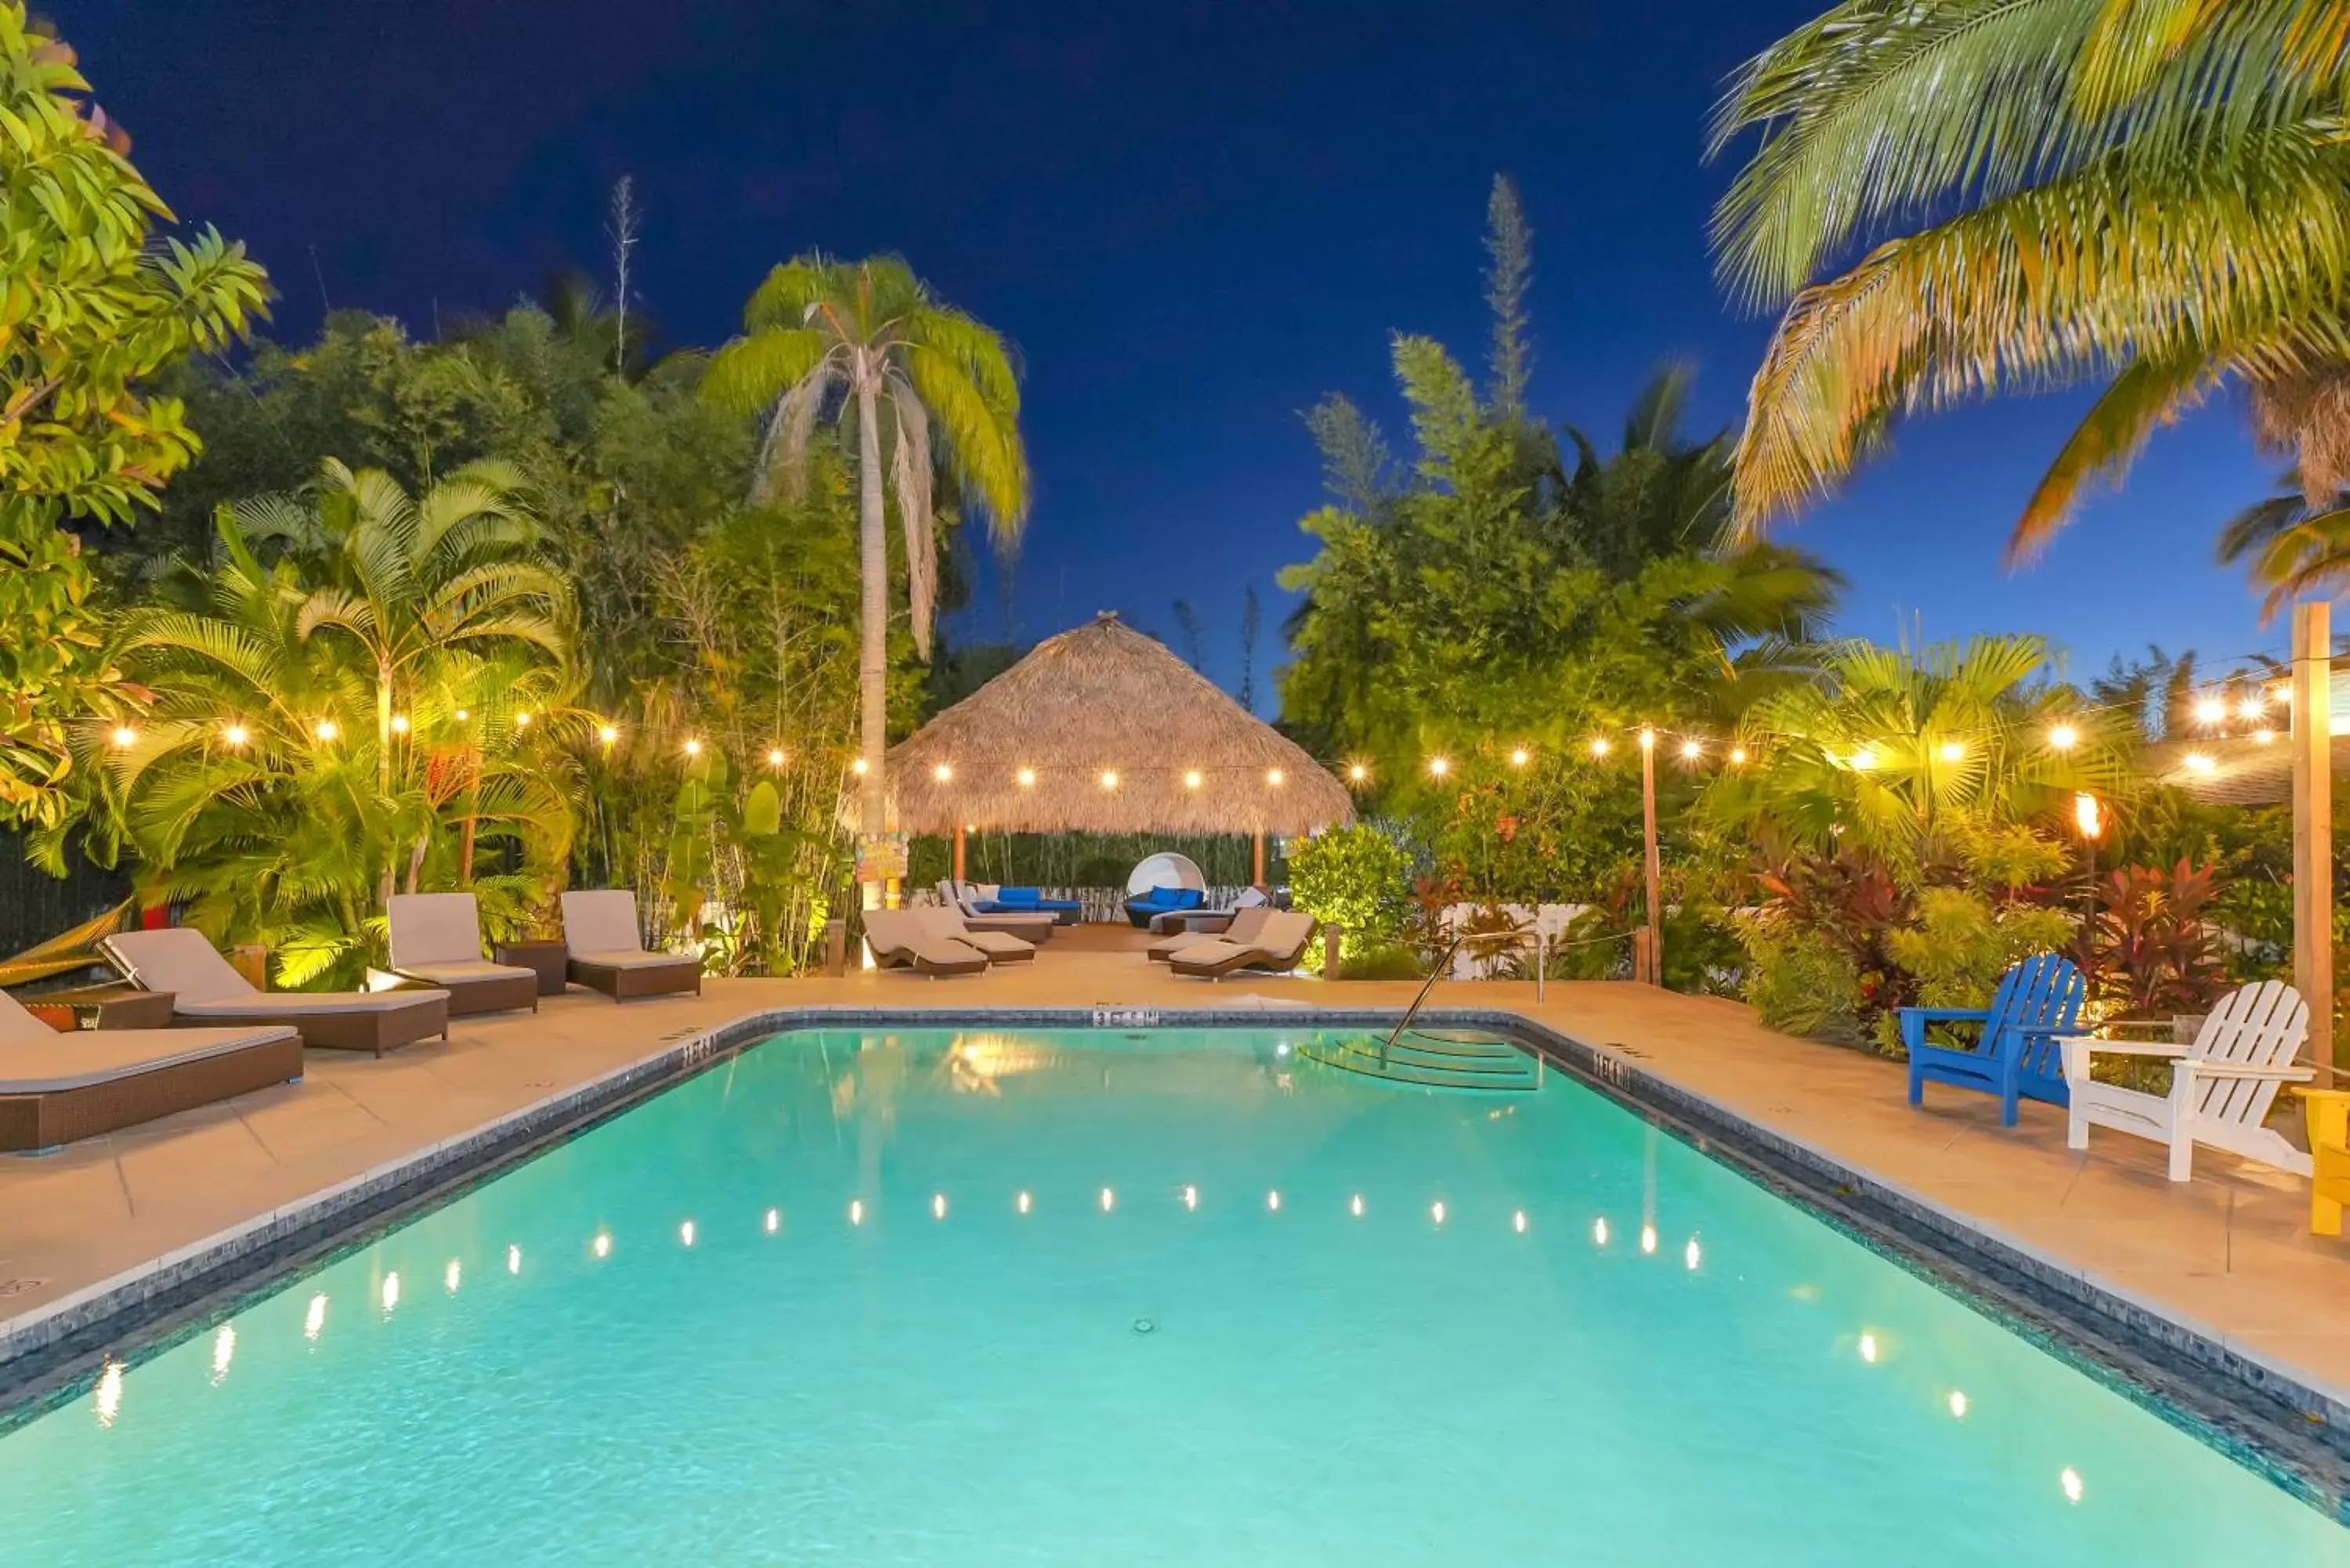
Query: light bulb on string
{"points": [[858, 767], [1599, 745], [1648, 738], [1691, 751], [1028, 778], [235, 734], [2063, 737], [2210, 710], [1110, 778], [522, 720], [125, 737], [775, 757], [692, 747], [1439, 766], [1272, 776], [943, 773], [1518, 757], [400, 723], [1950, 751], [607, 734], [1356, 772], [1191, 779], [327, 728], [1738, 756]]}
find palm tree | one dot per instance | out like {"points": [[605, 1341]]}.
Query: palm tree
{"points": [[1897, 753], [1958, 199], [2290, 543], [247, 791], [926, 388]]}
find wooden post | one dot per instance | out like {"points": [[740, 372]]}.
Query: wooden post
{"points": [[1256, 861], [1653, 869], [958, 854], [2312, 823]]}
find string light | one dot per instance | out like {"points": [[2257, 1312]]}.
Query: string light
{"points": [[1738, 755], [1862, 758], [1951, 751], [522, 720], [235, 734], [858, 767], [607, 734], [2210, 710], [1027, 778], [2062, 738], [1648, 739], [1691, 751], [1599, 746], [943, 772], [1191, 779], [400, 723], [462, 715], [1439, 766], [1357, 773], [125, 737], [2197, 763], [2253, 707], [1518, 757], [692, 747], [775, 757], [327, 730], [1272, 776], [2263, 736], [1110, 778]]}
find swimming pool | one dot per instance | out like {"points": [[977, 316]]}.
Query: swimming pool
{"points": [[1039, 1297]]}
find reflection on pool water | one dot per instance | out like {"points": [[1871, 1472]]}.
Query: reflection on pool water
{"points": [[970, 1298]]}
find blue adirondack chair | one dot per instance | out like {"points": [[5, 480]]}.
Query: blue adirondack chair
{"points": [[2015, 1056]]}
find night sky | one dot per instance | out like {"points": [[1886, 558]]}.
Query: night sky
{"points": [[1192, 220]]}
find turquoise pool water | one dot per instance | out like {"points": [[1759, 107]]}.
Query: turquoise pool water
{"points": [[928, 1297]]}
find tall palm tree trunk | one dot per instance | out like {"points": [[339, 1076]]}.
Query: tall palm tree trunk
{"points": [[873, 666]]}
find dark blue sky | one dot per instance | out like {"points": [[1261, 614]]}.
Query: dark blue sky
{"points": [[1194, 219]]}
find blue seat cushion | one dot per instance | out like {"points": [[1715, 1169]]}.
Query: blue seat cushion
{"points": [[1018, 898]]}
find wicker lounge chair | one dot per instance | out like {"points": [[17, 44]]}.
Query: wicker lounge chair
{"points": [[207, 993], [1280, 946], [436, 940], [58, 1087], [609, 954], [1240, 926], [999, 947], [899, 941]]}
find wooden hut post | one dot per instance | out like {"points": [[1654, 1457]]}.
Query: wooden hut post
{"points": [[2312, 823], [1256, 860], [957, 856]]}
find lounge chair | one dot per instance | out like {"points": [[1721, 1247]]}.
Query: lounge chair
{"points": [[436, 941], [1029, 925], [2222, 1086], [206, 992], [1280, 946], [899, 941], [607, 953], [2014, 1055], [58, 1087], [1000, 947], [1240, 926]]}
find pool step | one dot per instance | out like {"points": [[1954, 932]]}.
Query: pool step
{"points": [[1482, 1064]]}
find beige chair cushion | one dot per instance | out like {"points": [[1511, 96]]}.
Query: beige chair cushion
{"points": [[601, 922], [92, 1057], [637, 958], [901, 933], [181, 961], [310, 1003], [434, 927], [465, 972], [947, 925]]}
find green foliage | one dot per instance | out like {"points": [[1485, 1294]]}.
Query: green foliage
{"points": [[93, 306], [2151, 951], [1962, 943], [1499, 602], [1356, 878], [1801, 982], [346, 714], [1915, 757]]}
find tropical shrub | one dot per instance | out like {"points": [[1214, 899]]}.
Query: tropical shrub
{"points": [[1802, 981], [2151, 950], [1962, 944], [1357, 879]]}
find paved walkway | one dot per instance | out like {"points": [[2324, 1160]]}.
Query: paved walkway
{"points": [[2227, 1254]]}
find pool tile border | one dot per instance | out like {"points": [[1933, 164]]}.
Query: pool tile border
{"points": [[2275, 1422]]}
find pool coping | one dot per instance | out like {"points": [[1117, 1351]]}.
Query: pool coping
{"points": [[2287, 1427]]}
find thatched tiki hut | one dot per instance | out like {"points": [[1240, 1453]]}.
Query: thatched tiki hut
{"points": [[1103, 729]]}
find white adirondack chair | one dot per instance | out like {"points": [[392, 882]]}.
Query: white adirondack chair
{"points": [[2222, 1086]]}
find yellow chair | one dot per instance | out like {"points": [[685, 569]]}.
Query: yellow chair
{"points": [[2328, 1115]]}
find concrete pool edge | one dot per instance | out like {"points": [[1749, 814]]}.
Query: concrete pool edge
{"points": [[2273, 1418]]}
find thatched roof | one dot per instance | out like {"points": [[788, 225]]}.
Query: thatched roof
{"points": [[1106, 699]]}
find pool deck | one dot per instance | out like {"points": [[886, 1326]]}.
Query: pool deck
{"points": [[2227, 1255]]}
